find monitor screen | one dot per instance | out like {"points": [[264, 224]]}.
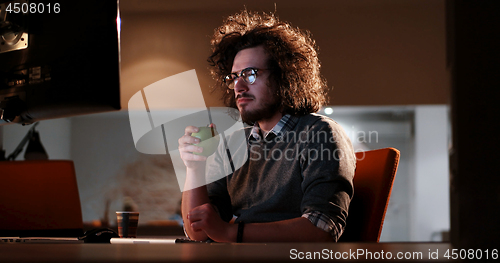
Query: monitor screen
{"points": [[58, 59]]}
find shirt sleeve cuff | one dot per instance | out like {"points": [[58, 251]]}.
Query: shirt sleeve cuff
{"points": [[325, 223]]}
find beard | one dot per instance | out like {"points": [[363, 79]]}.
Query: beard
{"points": [[267, 109]]}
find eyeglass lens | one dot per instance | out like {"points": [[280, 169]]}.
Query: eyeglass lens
{"points": [[249, 76]]}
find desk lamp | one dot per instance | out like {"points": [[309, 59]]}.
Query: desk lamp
{"points": [[34, 151]]}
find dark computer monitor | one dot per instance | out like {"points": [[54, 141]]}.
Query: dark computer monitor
{"points": [[58, 59]]}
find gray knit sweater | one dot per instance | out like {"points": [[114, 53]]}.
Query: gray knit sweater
{"points": [[308, 167]]}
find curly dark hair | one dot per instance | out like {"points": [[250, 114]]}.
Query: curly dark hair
{"points": [[293, 59]]}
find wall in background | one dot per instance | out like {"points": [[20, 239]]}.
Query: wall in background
{"points": [[110, 169], [432, 140], [374, 52]]}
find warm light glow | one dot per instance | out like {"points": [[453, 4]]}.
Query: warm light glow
{"points": [[145, 71]]}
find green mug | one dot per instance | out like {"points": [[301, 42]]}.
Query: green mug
{"points": [[209, 140]]}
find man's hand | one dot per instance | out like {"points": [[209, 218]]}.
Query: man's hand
{"points": [[205, 218], [186, 149]]}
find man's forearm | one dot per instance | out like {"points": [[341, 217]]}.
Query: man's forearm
{"points": [[191, 199]]}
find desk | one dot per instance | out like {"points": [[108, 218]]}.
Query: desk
{"points": [[260, 253]]}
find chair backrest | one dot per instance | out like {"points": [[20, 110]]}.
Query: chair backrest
{"points": [[39, 198], [373, 180]]}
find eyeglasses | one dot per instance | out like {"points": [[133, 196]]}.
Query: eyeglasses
{"points": [[249, 75]]}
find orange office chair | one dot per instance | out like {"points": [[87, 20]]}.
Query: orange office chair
{"points": [[373, 179]]}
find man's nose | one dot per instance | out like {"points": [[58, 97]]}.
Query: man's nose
{"points": [[240, 85]]}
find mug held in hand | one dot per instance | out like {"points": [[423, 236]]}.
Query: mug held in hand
{"points": [[209, 138]]}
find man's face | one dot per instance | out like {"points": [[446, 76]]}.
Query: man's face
{"points": [[255, 101]]}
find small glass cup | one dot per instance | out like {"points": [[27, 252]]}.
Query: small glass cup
{"points": [[127, 223]]}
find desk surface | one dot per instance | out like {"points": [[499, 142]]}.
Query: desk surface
{"points": [[278, 252]]}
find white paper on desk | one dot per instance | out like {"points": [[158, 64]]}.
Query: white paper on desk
{"points": [[142, 240]]}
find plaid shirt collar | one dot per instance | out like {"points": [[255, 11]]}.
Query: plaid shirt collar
{"points": [[286, 123]]}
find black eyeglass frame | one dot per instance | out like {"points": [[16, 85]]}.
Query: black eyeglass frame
{"points": [[237, 75]]}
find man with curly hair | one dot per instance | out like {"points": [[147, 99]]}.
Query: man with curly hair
{"points": [[296, 184]]}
